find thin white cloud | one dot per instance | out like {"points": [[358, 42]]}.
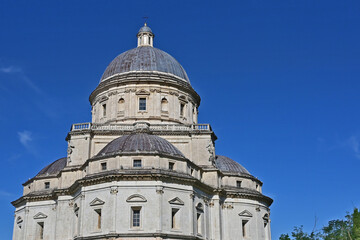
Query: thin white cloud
{"points": [[25, 138], [10, 69], [22, 75], [5, 194], [355, 145]]}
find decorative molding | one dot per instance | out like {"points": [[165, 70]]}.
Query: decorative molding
{"points": [[97, 202], [176, 201], [245, 213], [114, 190], [40, 215], [19, 220], [142, 92], [112, 93], [136, 198], [159, 190], [200, 207]]}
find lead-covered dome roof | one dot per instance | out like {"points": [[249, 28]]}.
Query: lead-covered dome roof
{"points": [[145, 58], [53, 168], [140, 143], [227, 165]]}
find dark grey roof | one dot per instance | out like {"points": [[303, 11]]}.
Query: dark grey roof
{"points": [[140, 143], [145, 58], [145, 28], [226, 164], [53, 168]]}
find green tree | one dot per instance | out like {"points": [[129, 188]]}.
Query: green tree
{"points": [[347, 229]]}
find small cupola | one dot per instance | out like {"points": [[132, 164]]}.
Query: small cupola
{"points": [[145, 36]]}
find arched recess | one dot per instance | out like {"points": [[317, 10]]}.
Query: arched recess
{"points": [[136, 198], [121, 106], [164, 105]]}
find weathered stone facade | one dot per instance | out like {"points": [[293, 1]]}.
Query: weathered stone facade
{"points": [[143, 168]]}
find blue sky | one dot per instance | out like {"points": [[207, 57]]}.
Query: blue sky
{"points": [[279, 82]]}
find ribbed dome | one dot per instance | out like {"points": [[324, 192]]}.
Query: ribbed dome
{"points": [[53, 168], [145, 58], [226, 164], [145, 28], [140, 143]]}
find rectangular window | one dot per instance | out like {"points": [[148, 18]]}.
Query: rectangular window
{"points": [[199, 223], [136, 217], [40, 230], [171, 165], [98, 218], [103, 166], [47, 185], [244, 226], [104, 110], [174, 216], [182, 107], [142, 104], [238, 184], [137, 163]]}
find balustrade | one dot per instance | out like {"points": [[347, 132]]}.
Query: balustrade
{"points": [[131, 127]]}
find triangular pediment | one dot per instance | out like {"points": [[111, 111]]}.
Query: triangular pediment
{"points": [[176, 201], [96, 202], [136, 198], [142, 92], [245, 213], [19, 220], [40, 215]]}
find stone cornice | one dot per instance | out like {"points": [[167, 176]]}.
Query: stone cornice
{"points": [[142, 175], [140, 234]]}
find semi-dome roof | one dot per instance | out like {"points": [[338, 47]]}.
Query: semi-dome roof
{"points": [[145, 58], [226, 164], [53, 168], [140, 143]]}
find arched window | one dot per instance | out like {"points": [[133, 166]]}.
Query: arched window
{"points": [[164, 105], [76, 214], [19, 222], [199, 219], [121, 105]]}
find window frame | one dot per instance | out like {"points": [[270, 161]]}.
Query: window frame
{"points": [[132, 212], [140, 99], [103, 166], [47, 185], [137, 161]]}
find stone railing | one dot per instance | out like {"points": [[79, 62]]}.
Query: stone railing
{"points": [[131, 127]]}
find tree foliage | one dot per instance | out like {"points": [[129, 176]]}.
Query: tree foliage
{"points": [[347, 229]]}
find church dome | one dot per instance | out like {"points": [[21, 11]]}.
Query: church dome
{"points": [[145, 58], [140, 143], [53, 168], [228, 165]]}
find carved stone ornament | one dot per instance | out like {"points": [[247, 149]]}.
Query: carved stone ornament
{"points": [[245, 213], [40, 215], [176, 201], [211, 149], [114, 190], [192, 196], [211, 203], [136, 198], [71, 203], [112, 93], [142, 92], [96, 202], [159, 190]]}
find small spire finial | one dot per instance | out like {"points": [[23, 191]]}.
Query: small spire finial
{"points": [[145, 19]]}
